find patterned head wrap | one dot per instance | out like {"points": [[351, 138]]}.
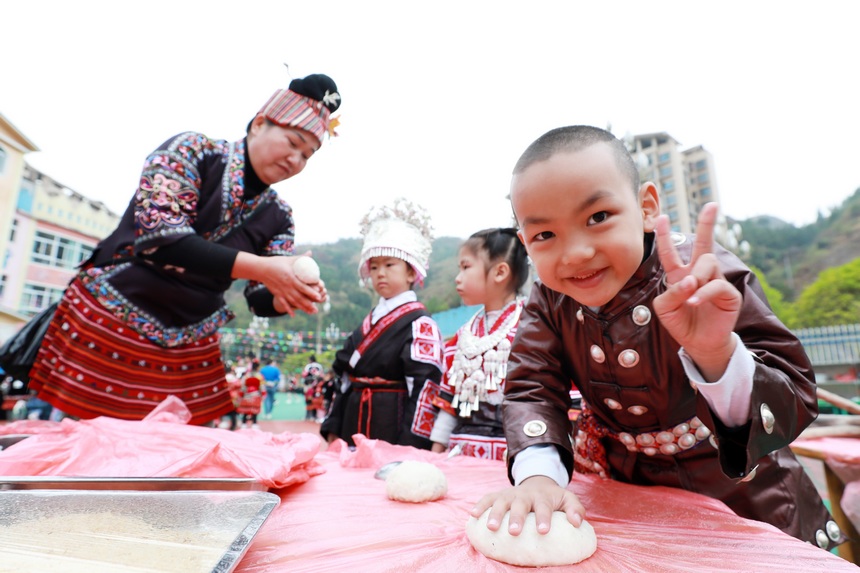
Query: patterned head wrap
{"points": [[307, 104], [402, 231]]}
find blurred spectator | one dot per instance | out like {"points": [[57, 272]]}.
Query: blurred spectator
{"points": [[272, 378], [252, 396]]}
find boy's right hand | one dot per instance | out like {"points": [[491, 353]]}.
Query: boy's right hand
{"points": [[538, 494]]}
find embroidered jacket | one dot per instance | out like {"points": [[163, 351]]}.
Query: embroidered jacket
{"points": [[190, 185], [384, 368]]}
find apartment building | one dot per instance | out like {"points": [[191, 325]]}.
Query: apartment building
{"points": [[47, 230], [686, 178]]}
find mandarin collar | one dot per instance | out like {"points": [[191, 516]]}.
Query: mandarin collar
{"points": [[386, 305]]}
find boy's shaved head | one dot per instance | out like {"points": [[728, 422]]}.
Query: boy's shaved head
{"points": [[575, 138]]}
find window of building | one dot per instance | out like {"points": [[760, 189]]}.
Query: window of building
{"points": [[26, 196], [3, 157], [671, 200], [701, 164], [13, 231], [668, 185], [665, 172], [56, 251], [663, 157], [705, 192], [3, 279], [673, 216], [702, 178], [36, 297]]}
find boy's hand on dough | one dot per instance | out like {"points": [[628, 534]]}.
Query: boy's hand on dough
{"points": [[538, 494]]}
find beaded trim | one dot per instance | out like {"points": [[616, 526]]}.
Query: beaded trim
{"points": [[589, 454], [667, 442], [96, 281]]}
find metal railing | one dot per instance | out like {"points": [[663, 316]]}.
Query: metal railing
{"points": [[831, 345]]}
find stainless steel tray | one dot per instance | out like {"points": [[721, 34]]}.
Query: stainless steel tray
{"points": [[129, 531], [130, 484]]}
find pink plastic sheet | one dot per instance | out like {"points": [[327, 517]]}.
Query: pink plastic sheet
{"points": [[846, 450], [842, 455], [343, 521], [162, 445]]}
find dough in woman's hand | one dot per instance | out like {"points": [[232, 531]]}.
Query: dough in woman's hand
{"points": [[564, 544], [416, 482], [307, 270]]}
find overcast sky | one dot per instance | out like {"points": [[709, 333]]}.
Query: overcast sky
{"points": [[440, 98]]}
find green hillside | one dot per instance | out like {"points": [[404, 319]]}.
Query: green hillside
{"points": [[791, 259]]}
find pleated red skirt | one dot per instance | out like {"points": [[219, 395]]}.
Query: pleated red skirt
{"points": [[92, 364]]}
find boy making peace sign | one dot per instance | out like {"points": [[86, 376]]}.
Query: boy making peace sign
{"points": [[688, 379]]}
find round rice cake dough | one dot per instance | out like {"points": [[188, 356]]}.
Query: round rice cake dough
{"points": [[416, 482], [307, 270], [564, 544]]}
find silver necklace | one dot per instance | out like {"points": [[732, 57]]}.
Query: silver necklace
{"points": [[480, 364]]}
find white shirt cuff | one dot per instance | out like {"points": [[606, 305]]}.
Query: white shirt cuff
{"points": [[540, 460], [730, 396], [442, 429], [344, 383]]}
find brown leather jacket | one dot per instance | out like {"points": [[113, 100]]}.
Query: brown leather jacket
{"points": [[750, 468]]}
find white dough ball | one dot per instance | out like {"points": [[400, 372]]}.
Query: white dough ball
{"points": [[564, 544], [307, 270], [416, 482]]}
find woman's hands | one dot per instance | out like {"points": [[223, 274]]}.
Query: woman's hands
{"points": [[277, 274]]}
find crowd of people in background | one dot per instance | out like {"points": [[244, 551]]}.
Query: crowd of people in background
{"points": [[255, 390]]}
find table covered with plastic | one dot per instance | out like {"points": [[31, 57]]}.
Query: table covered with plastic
{"points": [[841, 457], [335, 516]]}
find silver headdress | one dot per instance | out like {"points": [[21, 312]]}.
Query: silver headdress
{"points": [[402, 231]]}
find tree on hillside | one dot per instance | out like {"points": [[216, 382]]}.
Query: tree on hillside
{"points": [[781, 309], [833, 299]]}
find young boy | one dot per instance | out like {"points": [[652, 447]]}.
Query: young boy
{"points": [[688, 380], [395, 354]]}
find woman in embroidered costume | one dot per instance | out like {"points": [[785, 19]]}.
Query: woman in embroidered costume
{"points": [[140, 321], [493, 269], [393, 361]]}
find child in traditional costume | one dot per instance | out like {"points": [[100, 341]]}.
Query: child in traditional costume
{"points": [[395, 354], [493, 269], [688, 379]]}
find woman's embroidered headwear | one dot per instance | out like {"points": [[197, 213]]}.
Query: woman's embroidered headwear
{"points": [[307, 104], [402, 231]]}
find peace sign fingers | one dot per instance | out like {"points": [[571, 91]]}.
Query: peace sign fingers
{"points": [[704, 243], [705, 231]]}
